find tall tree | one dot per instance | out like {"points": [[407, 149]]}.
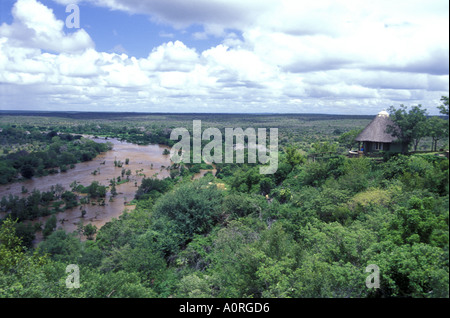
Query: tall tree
{"points": [[294, 157], [347, 139], [411, 124], [50, 225], [444, 107], [437, 129]]}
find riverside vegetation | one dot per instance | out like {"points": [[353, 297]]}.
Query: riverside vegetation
{"points": [[308, 230]]}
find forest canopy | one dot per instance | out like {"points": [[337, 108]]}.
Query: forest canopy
{"points": [[309, 230]]}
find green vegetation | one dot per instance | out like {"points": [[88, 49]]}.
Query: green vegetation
{"points": [[309, 230], [414, 124], [34, 153]]}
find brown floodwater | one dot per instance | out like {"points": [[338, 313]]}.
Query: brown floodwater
{"points": [[144, 161]]}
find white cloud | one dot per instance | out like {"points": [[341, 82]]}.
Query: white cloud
{"points": [[35, 26], [321, 56], [170, 56], [78, 65], [237, 64]]}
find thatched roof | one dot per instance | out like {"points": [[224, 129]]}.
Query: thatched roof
{"points": [[376, 130]]}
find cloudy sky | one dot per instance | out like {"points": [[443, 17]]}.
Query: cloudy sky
{"points": [[257, 56]]}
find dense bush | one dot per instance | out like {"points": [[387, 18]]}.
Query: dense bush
{"points": [[192, 208], [310, 230]]}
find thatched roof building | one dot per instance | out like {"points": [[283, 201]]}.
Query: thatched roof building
{"points": [[375, 137]]}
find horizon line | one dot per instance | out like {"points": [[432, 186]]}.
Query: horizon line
{"points": [[172, 113]]}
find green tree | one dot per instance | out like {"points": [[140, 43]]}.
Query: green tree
{"points": [[120, 284], [437, 129], [347, 139], [119, 232], [355, 174], [266, 185], [89, 230], [11, 249], [70, 199], [141, 256], [26, 233], [417, 270], [61, 246], [417, 223], [7, 173], [21, 273], [411, 125], [294, 157], [113, 190], [50, 226], [195, 285], [323, 147], [244, 180], [191, 208], [235, 262], [236, 205], [152, 187], [27, 171], [96, 190], [444, 107]]}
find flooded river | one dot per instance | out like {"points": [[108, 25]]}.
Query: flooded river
{"points": [[144, 161]]}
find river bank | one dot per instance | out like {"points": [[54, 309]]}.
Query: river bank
{"points": [[143, 161]]}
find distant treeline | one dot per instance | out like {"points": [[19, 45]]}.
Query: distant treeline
{"points": [[176, 116]]}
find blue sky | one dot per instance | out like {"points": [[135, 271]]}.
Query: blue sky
{"points": [[119, 31], [134, 33], [339, 57]]}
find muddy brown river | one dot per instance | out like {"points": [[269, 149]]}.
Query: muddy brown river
{"points": [[144, 161]]}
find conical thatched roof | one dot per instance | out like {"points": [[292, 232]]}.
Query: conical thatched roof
{"points": [[376, 130]]}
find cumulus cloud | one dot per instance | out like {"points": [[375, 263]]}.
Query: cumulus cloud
{"points": [[35, 26], [170, 56], [277, 56]]}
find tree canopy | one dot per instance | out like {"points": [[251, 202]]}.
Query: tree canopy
{"points": [[309, 230]]}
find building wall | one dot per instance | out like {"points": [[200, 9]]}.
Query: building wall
{"points": [[391, 147], [396, 147]]}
